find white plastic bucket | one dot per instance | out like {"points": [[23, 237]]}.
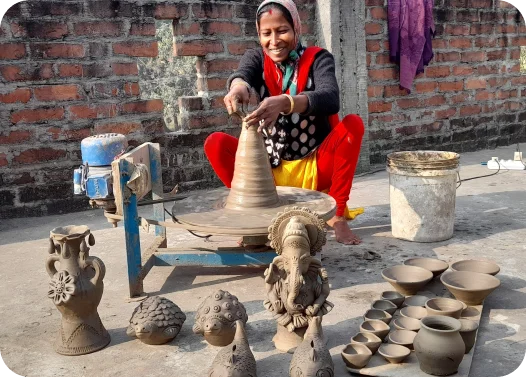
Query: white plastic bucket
{"points": [[422, 187]]}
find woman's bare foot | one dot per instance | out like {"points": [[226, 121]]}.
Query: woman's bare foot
{"points": [[342, 231]]}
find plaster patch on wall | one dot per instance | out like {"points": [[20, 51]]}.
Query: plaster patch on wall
{"points": [[523, 60]]}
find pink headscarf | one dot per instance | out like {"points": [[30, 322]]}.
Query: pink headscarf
{"points": [[291, 7]]}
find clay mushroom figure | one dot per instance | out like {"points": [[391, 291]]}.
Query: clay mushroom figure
{"points": [[156, 320]]}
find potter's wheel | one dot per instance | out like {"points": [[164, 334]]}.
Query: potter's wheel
{"points": [[207, 213]]}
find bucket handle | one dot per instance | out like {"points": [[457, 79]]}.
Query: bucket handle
{"points": [[459, 182]]}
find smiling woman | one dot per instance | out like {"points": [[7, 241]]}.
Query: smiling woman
{"points": [[307, 145]]}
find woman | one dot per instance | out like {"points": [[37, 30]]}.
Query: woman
{"points": [[308, 146]]}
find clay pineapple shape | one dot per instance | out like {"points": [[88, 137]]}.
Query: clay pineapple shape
{"points": [[312, 358], [156, 320], [216, 317], [236, 359]]}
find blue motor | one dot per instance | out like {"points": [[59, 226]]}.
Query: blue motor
{"points": [[93, 178]]}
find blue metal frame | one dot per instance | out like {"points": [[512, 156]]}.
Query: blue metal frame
{"points": [[158, 254]]}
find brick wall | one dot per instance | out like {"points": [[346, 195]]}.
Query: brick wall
{"points": [[471, 96]]}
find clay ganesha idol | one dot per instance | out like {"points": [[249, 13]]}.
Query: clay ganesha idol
{"points": [[296, 283]]}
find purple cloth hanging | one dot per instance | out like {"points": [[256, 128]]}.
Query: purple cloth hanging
{"points": [[411, 28]]}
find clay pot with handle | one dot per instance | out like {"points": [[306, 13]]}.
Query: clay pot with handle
{"points": [[76, 289]]}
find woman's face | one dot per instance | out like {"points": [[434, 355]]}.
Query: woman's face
{"points": [[276, 35]]}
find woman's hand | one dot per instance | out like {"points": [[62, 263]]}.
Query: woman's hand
{"points": [[239, 95], [268, 112]]}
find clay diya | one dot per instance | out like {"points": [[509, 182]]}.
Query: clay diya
{"points": [[382, 315], [416, 312], [484, 267], [468, 332], [356, 356], [470, 287], [444, 306], [407, 323], [416, 300], [367, 339], [393, 296], [407, 280], [376, 327], [385, 305], [436, 266], [402, 337], [394, 353]]}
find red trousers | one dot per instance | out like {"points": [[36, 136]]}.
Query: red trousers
{"points": [[337, 158]]}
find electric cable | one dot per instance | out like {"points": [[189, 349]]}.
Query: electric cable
{"points": [[176, 220], [477, 177]]}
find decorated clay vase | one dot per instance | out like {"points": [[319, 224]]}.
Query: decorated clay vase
{"points": [[156, 320], [76, 290], [312, 358], [439, 346], [216, 318], [236, 359]]}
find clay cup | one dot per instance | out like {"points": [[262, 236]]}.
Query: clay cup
{"points": [[356, 356], [367, 339], [436, 266], [444, 306], [394, 353], [407, 280]]}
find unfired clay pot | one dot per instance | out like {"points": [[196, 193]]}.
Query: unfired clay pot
{"points": [[439, 346], [468, 332], [382, 315], [402, 337], [470, 287], [393, 296], [385, 305], [376, 327], [436, 266], [369, 340], [394, 353], [407, 280], [444, 306], [485, 267], [76, 289], [236, 359], [356, 355], [407, 323]]}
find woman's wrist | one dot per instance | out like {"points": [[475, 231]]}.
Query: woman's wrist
{"points": [[288, 104]]}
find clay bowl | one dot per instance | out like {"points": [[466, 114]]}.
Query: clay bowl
{"points": [[376, 327], [368, 339], [416, 312], [393, 296], [382, 315], [407, 323], [402, 337], [470, 287], [416, 300], [444, 306], [356, 356], [385, 305], [481, 266], [407, 280], [436, 266], [394, 353], [468, 332]]}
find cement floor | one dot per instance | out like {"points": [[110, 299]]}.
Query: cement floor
{"points": [[490, 223]]}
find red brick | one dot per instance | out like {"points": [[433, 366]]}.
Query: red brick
{"points": [[457, 29], [239, 48], [459, 98], [448, 57], [383, 59], [221, 65], [407, 130], [18, 30], [70, 70], [117, 127], [186, 28], [375, 91], [217, 102], [485, 42], [37, 115], [439, 43], [22, 95], [484, 95], [32, 156], [46, 30], [168, 11], [519, 80], [143, 28], [3, 159], [433, 127], [373, 45], [212, 11], [307, 28], [59, 133], [378, 13], [497, 55], [216, 84], [487, 4], [221, 28], [98, 28], [368, 60], [191, 103], [57, 50], [437, 71], [445, 114], [373, 3], [57, 93], [9, 51], [132, 88], [487, 69], [198, 47], [515, 54], [462, 70], [207, 121], [505, 94], [125, 69], [15, 137], [460, 43], [481, 29], [450, 86], [136, 48], [408, 103], [383, 74], [380, 106], [27, 72], [473, 56], [475, 84], [470, 110], [145, 106], [92, 111], [373, 28], [425, 87], [435, 101], [497, 81], [394, 91]]}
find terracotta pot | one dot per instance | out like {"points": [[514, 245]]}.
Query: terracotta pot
{"points": [[376, 327], [76, 289], [484, 267], [407, 280], [385, 305], [416, 312], [439, 346], [436, 266], [394, 353], [444, 306], [470, 287], [393, 296], [402, 337], [407, 323], [468, 332], [356, 356], [381, 315], [416, 300], [367, 339]]}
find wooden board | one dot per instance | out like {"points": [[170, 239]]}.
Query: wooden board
{"points": [[380, 367]]}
